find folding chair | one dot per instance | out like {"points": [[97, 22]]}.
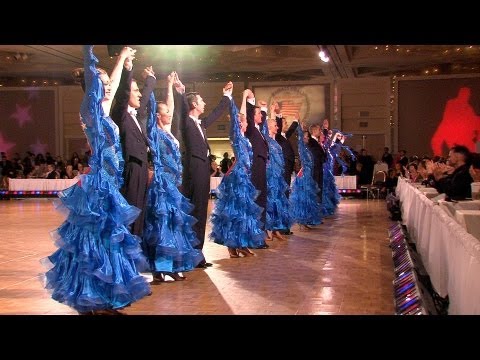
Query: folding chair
{"points": [[378, 181]]}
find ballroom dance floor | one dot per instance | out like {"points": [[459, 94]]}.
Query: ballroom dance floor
{"points": [[343, 266]]}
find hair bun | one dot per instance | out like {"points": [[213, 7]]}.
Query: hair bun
{"points": [[78, 75]]}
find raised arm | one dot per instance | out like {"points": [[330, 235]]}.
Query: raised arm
{"points": [[221, 107], [246, 94], [302, 148], [234, 124], [127, 52], [250, 114], [150, 80], [293, 126], [123, 93], [169, 100], [90, 109], [152, 123]]}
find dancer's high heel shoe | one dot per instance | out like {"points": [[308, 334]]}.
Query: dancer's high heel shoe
{"points": [[174, 276], [246, 252], [276, 234], [233, 253], [269, 235], [102, 312], [304, 227]]}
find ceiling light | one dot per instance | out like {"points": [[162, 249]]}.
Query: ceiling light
{"points": [[323, 54]]}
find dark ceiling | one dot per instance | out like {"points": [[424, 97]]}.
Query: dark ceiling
{"points": [[37, 65]]}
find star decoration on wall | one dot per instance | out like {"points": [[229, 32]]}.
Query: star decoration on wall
{"points": [[5, 145], [39, 147], [22, 114]]}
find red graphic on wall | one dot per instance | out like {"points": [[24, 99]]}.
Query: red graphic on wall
{"points": [[459, 124]]}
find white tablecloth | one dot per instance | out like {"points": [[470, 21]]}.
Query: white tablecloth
{"points": [[470, 220], [214, 182], [346, 182], [451, 207], [40, 184], [450, 254]]}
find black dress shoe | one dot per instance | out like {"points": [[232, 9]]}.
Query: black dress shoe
{"points": [[203, 265], [286, 232], [158, 276]]}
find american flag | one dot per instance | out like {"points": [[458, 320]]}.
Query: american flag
{"points": [[290, 108]]}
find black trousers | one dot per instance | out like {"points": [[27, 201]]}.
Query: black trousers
{"points": [[196, 187], [259, 180]]}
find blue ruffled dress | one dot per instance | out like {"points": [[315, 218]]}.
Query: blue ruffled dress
{"points": [[304, 207], [168, 225], [278, 216], [97, 263], [330, 197], [236, 217]]}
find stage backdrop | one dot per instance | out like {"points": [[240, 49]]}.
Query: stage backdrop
{"points": [[435, 114], [312, 102], [28, 121]]}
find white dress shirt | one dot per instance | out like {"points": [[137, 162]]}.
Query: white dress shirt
{"points": [[133, 113], [198, 123]]}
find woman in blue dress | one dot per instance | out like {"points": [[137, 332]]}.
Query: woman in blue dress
{"points": [[277, 217], [330, 196], [168, 225], [96, 268], [236, 217], [305, 209]]}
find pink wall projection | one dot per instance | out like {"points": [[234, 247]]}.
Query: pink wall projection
{"points": [[27, 121]]}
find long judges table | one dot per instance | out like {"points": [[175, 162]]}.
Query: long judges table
{"points": [[40, 184], [450, 254], [346, 182]]}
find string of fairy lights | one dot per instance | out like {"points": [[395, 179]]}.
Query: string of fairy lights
{"points": [[393, 85], [447, 58]]}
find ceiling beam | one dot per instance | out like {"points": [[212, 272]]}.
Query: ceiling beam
{"points": [[341, 60]]}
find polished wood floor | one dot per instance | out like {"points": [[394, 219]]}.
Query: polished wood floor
{"points": [[343, 266]]}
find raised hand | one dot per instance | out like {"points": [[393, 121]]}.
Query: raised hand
{"points": [[228, 89], [276, 108], [130, 55], [272, 109], [148, 71], [128, 52], [262, 103], [248, 93], [178, 84], [171, 79]]}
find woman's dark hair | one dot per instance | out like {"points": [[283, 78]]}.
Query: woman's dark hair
{"points": [[79, 76]]}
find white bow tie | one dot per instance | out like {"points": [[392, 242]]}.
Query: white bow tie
{"points": [[133, 112], [198, 121]]}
